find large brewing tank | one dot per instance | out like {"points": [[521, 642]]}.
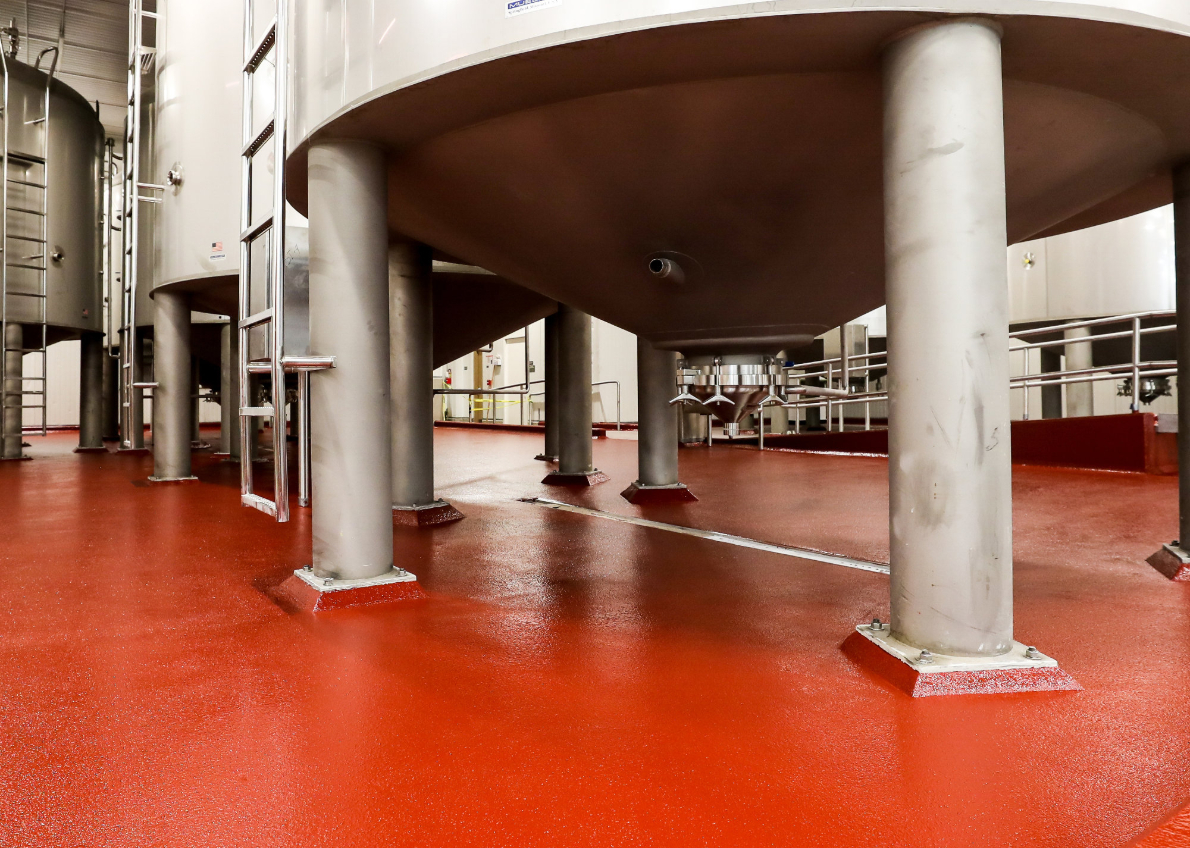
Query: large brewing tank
{"points": [[567, 145], [74, 297], [1113, 269], [197, 152]]}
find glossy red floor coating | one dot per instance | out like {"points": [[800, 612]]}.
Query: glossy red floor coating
{"points": [[569, 681]]}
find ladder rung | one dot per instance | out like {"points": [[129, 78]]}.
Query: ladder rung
{"points": [[261, 139], [257, 502], [262, 47], [31, 268], [26, 157], [261, 317], [26, 238], [24, 294], [26, 211], [26, 183], [32, 392], [251, 233], [32, 406], [256, 412]]}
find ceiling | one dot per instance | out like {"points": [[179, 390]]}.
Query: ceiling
{"points": [[95, 58]]}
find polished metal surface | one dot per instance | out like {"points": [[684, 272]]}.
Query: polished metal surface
{"points": [[197, 138], [1182, 247], [351, 434], [731, 388], [171, 397], [574, 391], [950, 473], [92, 358], [774, 216], [551, 388], [411, 366], [657, 436], [74, 301]]}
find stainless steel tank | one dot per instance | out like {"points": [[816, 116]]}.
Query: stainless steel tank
{"points": [[569, 145], [197, 151], [1112, 269], [74, 301]]}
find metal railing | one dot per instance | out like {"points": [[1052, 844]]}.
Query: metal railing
{"points": [[1136, 370], [527, 395]]}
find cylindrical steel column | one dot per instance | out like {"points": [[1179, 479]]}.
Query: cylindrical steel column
{"points": [[657, 443], [14, 371], [574, 391], [351, 434], [950, 498], [1080, 397], [229, 392], [91, 362], [195, 404], [136, 409], [111, 397], [1181, 217], [171, 398], [550, 405], [411, 360]]}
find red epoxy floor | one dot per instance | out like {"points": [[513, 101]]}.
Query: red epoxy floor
{"points": [[571, 681]]}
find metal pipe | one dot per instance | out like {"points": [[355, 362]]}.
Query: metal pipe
{"points": [[195, 403], [574, 391], [1025, 412], [92, 362], [135, 416], [657, 443], [525, 402], [411, 365], [950, 499], [303, 423], [1136, 365], [350, 429], [229, 391], [171, 397], [14, 364], [1181, 217]]}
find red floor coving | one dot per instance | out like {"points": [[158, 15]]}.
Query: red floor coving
{"points": [[567, 681]]}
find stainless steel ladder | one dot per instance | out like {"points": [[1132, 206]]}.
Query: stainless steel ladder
{"points": [[141, 59], [32, 176], [261, 318], [107, 273]]}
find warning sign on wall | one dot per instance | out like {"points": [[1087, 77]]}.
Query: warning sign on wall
{"points": [[519, 7]]}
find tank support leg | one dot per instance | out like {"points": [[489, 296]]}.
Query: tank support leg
{"points": [[1173, 560], [411, 362], [575, 466], [91, 409], [950, 472], [229, 392], [351, 447], [171, 397], [550, 406], [657, 443]]}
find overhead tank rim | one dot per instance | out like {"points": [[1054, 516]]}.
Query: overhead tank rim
{"points": [[1055, 9]]}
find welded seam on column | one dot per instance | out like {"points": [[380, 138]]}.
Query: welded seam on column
{"points": [[714, 536]]}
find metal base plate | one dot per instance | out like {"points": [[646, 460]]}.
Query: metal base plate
{"points": [[640, 494], [903, 666], [91, 450], [307, 592], [173, 479], [1173, 562], [575, 478], [426, 515], [544, 458]]}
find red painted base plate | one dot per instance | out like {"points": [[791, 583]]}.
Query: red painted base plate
{"points": [[591, 478], [545, 458], [986, 681], [297, 593], [430, 515], [1173, 562], [643, 495], [173, 479]]}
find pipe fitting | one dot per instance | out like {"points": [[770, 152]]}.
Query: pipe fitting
{"points": [[666, 269]]}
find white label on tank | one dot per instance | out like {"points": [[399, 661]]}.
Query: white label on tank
{"points": [[217, 251], [519, 7]]}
